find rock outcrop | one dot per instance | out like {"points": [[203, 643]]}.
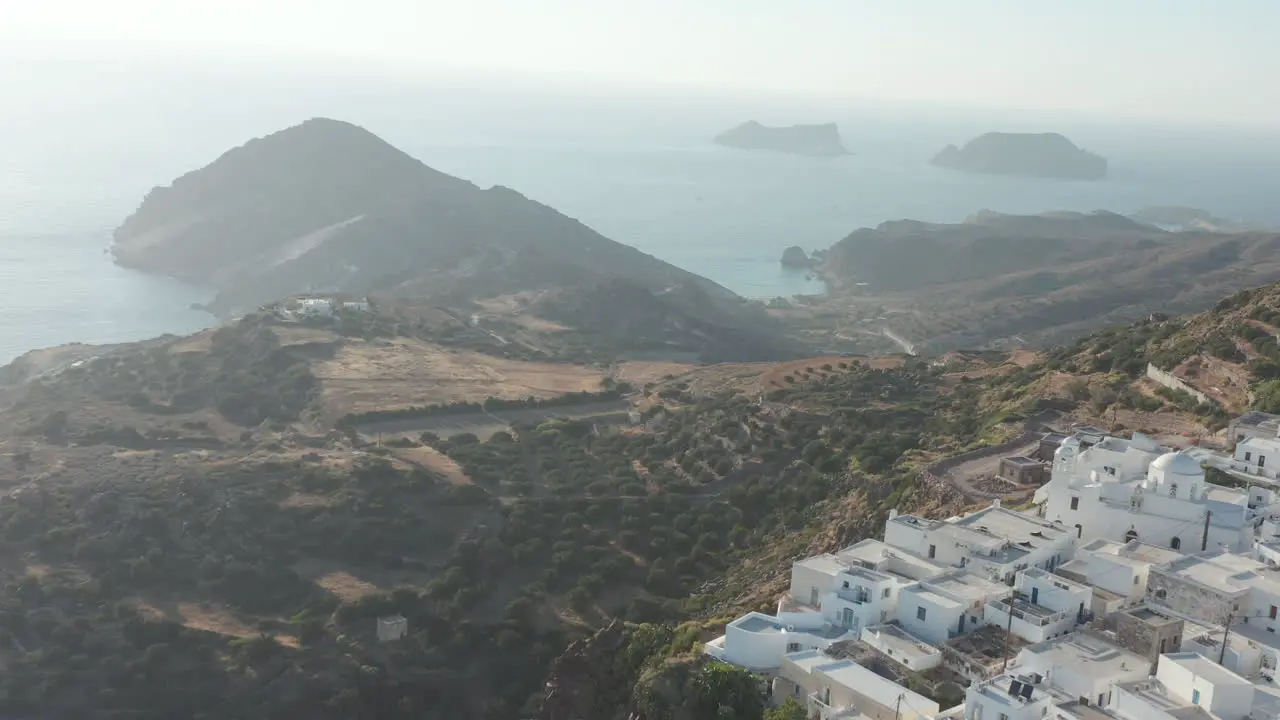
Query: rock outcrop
{"points": [[795, 257], [814, 140], [1044, 155]]}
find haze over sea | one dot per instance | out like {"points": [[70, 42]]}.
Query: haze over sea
{"points": [[640, 169]]}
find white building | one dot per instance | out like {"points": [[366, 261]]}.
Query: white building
{"points": [[392, 627], [839, 689], [1257, 456], [1186, 686], [994, 542], [1253, 424], [315, 307], [758, 642], [947, 606], [1126, 490], [902, 647], [1046, 606], [1082, 665], [855, 588], [1119, 569], [1009, 697]]}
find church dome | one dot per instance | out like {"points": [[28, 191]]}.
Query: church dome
{"points": [[1177, 463]]}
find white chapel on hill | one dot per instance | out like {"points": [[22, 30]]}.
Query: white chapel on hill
{"points": [[1123, 490]]}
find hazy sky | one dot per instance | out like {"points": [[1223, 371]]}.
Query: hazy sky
{"points": [[1187, 60]]}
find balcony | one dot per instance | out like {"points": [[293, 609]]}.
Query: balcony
{"points": [[854, 595], [1037, 615]]}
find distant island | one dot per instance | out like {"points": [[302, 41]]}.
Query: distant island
{"points": [[1043, 155], [796, 257], [813, 140]]}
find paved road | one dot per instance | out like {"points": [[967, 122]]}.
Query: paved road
{"points": [[963, 475]]}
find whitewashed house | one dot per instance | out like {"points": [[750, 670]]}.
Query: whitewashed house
{"points": [[1047, 606], [1257, 456], [1186, 686], [315, 307], [1082, 665], [947, 606], [758, 642], [994, 542]]}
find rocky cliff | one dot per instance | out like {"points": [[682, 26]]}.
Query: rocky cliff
{"points": [[816, 140], [1046, 155]]}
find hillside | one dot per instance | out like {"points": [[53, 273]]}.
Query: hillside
{"points": [[220, 511], [1039, 155], [1027, 280], [329, 207], [226, 515]]}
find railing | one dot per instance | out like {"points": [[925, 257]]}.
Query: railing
{"points": [[854, 596], [1038, 620]]}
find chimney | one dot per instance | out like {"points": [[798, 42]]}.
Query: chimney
{"points": [[995, 503], [893, 513]]}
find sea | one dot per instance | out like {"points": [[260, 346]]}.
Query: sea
{"points": [[638, 167]]}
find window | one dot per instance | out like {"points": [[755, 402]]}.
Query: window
{"points": [[793, 647], [1004, 716], [1195, 697], [1248, 456], [1075, 503], [885, 593], [1131, 535], [920, 612], [1160, 594], [846, 584], [1262, 461], [1135, 579], [1175, 543], [933, 550], [1173, 489]]}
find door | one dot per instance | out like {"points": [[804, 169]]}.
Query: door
{"points": [[846, 618], [813, 597], [961, 628], [1035, 595]]}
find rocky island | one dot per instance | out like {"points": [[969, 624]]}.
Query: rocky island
{"points": [[796, 257], [1042, 155], [813, 140]]}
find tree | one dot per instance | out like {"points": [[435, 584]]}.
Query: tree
{"points": [[789, 710]]}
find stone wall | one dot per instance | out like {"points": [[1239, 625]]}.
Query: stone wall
{"points": [[1192, 600], [1132, 633], [1173, 382]]}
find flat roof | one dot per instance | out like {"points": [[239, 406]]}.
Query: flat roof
{"points": [[880, 690], [932, 597], [807, 660], [1145, 552], [901, 641], [1022, 460], [825, 563], [1092, 656], [1150, 616], [1016, 526], [969, 587], [1205, 668], [1257, 417]]}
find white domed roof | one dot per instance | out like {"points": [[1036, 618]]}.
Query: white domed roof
{"points": [[1177, 463]]}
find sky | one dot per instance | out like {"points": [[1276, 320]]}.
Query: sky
{"points": [[1180, 60]]}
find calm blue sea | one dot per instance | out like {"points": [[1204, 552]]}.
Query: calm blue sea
{"points": [[644, 177]]}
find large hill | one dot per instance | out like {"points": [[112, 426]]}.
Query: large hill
{"points": [[1029, 279], [327, 206]]}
